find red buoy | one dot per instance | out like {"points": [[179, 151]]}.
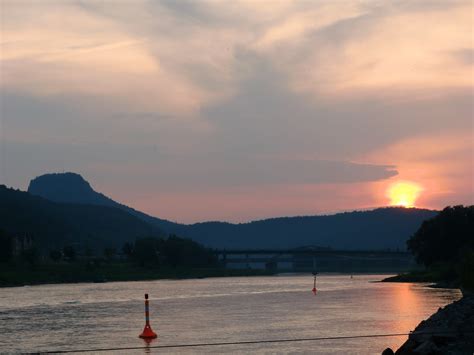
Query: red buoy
{"points": [[314, 284], [147, 333]]}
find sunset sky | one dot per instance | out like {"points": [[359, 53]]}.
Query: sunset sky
{"points": [[241, 110]]}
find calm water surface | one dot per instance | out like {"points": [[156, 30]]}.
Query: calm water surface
{"points": [[87, 316]]}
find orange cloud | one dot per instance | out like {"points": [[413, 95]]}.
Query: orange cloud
{"points": [[442, 165], [390, 49], [180, 64]]}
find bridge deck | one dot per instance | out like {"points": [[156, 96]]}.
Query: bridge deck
{"points": [[311, 252]]}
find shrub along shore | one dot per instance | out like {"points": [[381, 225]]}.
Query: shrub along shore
{"points": [[144, 259], [12, 274]]}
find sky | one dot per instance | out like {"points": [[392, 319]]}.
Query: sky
{"points": [[241, 110]]}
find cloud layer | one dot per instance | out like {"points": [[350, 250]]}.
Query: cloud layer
{"points": [[231, 104]]}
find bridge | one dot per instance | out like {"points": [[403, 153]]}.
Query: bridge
{"points": [[319, 259]]}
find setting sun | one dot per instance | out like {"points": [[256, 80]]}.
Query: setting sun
{"points": [[403, 193]]}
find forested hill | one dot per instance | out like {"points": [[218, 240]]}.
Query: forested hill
{"points": [[381, 228], [54, 225], [377, 229], [72, 188]]}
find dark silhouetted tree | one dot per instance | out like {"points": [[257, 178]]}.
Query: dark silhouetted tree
{"points": [[146, 251], [127, 249], [31, 256], [173, 251], [5, 246], [445, 237], [466, 271], [88, 252], [55, 255], [109, 253], [446, 243], [69, 252], [185, 252]]}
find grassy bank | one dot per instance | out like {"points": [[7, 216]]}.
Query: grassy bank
{"points": [[20, 275]]}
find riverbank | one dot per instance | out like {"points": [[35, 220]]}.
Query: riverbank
{"points": [[438, 278], [12, 275], [448, 331], [451, 329]]}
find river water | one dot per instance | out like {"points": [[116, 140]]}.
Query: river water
{"points": [[111, 315]]}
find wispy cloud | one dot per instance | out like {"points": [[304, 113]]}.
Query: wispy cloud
{"points": [[237, 94]]}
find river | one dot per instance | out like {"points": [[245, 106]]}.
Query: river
{"points": [[111, 315]]}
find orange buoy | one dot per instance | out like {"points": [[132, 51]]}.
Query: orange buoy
{"points": [[314, 284], [147, 333]]}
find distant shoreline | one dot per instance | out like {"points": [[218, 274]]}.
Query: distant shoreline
{"points": [[423, 276], [74, 273]]}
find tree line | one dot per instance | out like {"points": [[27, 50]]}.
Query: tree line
{"points": [[445, 244], [149, 252]]}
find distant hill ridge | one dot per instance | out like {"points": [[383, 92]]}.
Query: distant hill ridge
{"points": [[381, 228], [67, 187], [53, 224], [73, 188]]}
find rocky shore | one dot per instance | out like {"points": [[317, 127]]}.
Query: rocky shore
{"points": [[449, 331]]}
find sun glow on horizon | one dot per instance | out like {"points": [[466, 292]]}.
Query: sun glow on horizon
{"points": [[404, 193]]}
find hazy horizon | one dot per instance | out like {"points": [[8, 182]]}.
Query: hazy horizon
{"points": [[239, 111], [326, 213]]}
